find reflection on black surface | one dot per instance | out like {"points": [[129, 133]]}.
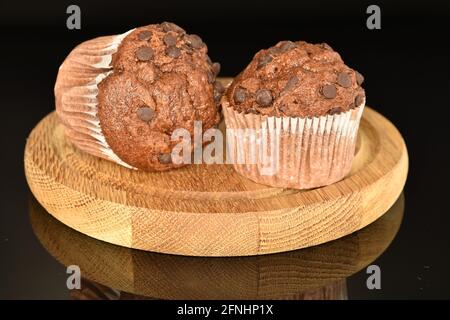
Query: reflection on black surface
{"points": [[91, 290], [113, 272]]}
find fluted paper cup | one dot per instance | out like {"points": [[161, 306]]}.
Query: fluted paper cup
{"points": [[292, 152], [76, 92]]}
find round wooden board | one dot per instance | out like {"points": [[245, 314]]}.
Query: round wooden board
{"points": [[299, 274], [210, 210]]}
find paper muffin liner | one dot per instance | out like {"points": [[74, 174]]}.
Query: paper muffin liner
{"points": [[76, 92], [292, 152]]}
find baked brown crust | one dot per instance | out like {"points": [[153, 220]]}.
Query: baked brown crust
{"points": [[296, 79], [161, 82]]}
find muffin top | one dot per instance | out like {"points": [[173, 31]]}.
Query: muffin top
{"points": [[296, 79], [162, 80]]}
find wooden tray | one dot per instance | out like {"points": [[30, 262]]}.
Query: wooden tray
{"points": [[210, 210], [301, 274]]}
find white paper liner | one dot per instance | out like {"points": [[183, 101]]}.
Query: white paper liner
{"points": [[76, 92], [302, 153]]}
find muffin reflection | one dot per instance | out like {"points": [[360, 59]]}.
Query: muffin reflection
{"points": [[318, 272]]}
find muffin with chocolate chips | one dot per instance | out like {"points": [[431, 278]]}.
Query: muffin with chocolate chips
{"points": [[121, 97], [304, 106]]}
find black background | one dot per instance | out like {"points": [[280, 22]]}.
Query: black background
{"points": [[407, 70]]}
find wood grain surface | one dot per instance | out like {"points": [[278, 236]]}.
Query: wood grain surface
{"points": [[318, 272], [210, 210]]}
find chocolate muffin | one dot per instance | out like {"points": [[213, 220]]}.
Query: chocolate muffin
{"points": [[308, 103], [296, 79], [121, 97]]}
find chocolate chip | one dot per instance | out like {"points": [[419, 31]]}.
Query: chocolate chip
{"points": [[218, 90], [211, 77], [217, 96], [326, 46], [240, 95], [173, 52], [166, 26], [335, 110], [144, 53], [344, 80], [359, 100], [169, 26], [263, 60], [329, 91], [165, 158], [194, 41], [145, 113], [216, 68], [351, 105], [359, 78], [219, 87], [287, 45], [291, 83], [274, 50], [264, 97], [145, 35], [169, 40]]}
